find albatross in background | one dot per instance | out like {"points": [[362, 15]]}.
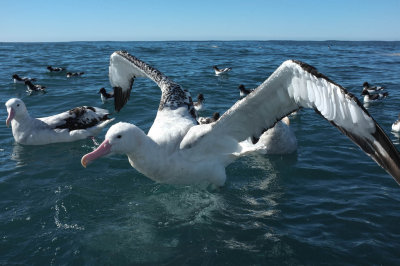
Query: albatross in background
{"points": [[177, 150], [75, 124]]}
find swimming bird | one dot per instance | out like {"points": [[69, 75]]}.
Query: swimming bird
{"points": [[34, 87], [75, 124], [105, 95], [280, 139], [177, 150], [370, 89], [368, 97], [18, 79], [208, 120], [199, 104], [55, 69], [75, 74], [243, 91], [221, 71], [396, 125]]}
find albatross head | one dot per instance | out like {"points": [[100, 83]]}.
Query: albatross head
{"points": [[121, 138], [16, 109]]}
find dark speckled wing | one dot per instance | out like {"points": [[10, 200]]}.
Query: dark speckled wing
{"points": [[125, 68], [77, 118]]}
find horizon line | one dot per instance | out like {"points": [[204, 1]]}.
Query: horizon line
{"points": [[211, 40]]}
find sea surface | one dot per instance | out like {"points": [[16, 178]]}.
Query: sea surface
{"points": [[328, 203]]}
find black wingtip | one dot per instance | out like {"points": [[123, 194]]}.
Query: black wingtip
{"points": [[380, 149]]}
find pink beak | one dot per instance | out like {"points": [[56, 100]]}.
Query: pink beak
{"points": [[11, 114], [102, 150]]}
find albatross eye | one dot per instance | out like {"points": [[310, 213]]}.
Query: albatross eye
{"points": [[119, 136], [17, 104]]}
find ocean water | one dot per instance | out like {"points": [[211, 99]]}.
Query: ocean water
{"points": [[329, 203]]}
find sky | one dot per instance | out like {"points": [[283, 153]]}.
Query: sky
{"points": [[151, 20]]}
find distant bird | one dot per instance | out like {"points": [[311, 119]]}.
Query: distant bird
{"points": [[368, 97], [199, 104], [55, 69], [69, 74], [105, 95], [75, 124], [396, 125], [208, 120], [33, 87], [243, 91], [221, 71], [370, 89], [18, 79]]}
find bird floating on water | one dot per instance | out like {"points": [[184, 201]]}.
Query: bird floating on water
{"points": [[75, 74], [371, 89], [34, 87], [105, 95], [177, 150], [75, 124], [243, 91], [368, 97], [208, 120], [18, 79], [396, 125], [199, 104], [222, 70], [55, 69]]}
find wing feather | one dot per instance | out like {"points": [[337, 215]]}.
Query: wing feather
{"points": [[123, 70], [292, 86]]}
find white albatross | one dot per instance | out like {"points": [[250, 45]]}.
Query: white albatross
{"points": [[177, 150], [75, 124]]}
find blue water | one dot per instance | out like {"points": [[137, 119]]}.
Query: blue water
{"points": [[328, 203]]}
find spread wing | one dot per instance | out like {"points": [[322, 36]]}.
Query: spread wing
{"points": [[292, 86], [125, 68]]}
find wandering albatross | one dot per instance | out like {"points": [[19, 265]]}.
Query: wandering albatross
{"points": [[78, 123], [177, 150]]}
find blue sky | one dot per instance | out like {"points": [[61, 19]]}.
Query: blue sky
{"points": [[149, 20]]}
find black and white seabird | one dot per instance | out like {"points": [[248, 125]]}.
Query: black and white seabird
{"points": [[55, 69], [75, 74], [34, 87], [208, 120], [243, 91], [221, 71], [371, 89], [368, 97], [105, 95], [199, 104], [177, 150], [18, 79], [75, 124]]}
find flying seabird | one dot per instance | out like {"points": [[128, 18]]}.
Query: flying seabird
{"points": [[177, 150]]}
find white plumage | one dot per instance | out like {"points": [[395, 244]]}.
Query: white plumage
{"points": [[177, 150], [72, 125]]}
